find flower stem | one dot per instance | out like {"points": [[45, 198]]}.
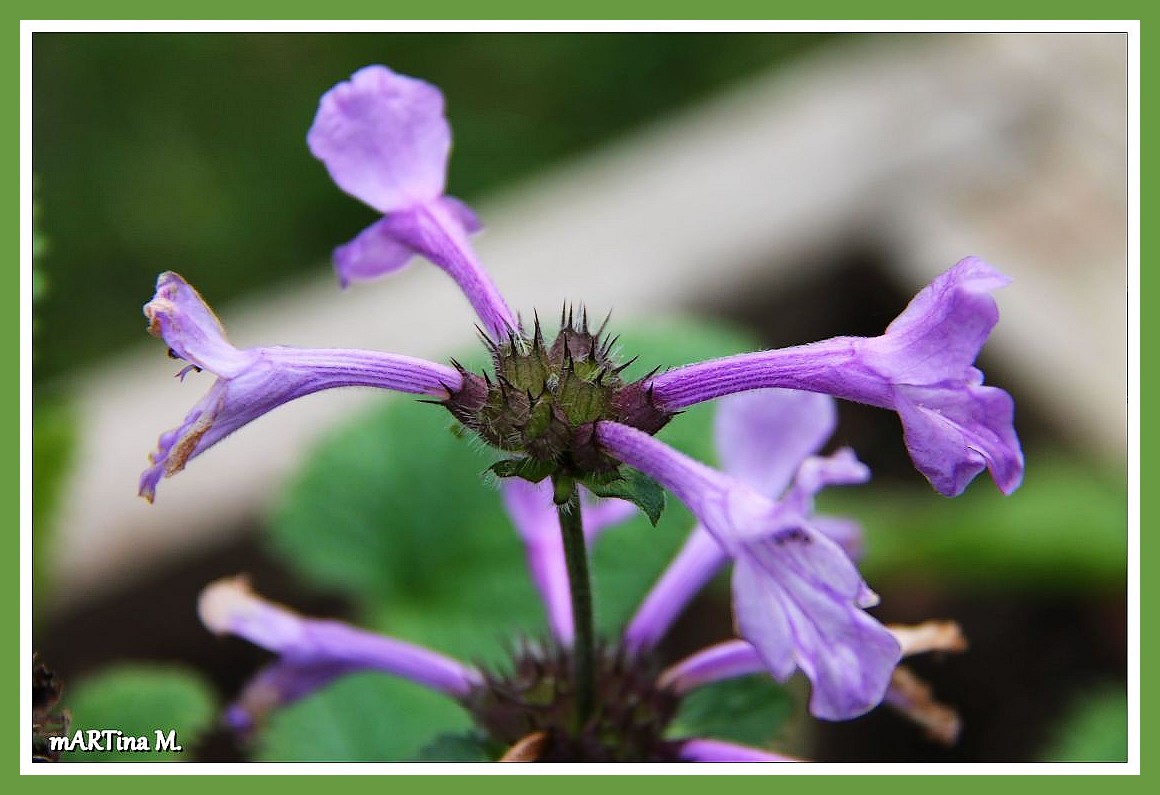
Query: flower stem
{"points": [[576, 556]]}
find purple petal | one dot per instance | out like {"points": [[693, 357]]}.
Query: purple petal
{"points": [[954, 433], [280, 684], [796, 598], [816, 473], [727, 660], [383, 139], [763, 436], [943, 328], [462, 214], [314, 651], [383, 248], [374, 252], [705, 750], [844, 532]]}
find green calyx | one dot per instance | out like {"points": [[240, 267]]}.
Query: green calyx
{"points": [[542, 402]]}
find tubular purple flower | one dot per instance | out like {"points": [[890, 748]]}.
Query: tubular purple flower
{"points": [[253, 381], [762, 438], [314, 652], [704, 750], [797, 597], [533, 512], [922, 367], [727, 660], [385, 141]]}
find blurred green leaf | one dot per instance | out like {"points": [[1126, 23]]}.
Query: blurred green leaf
{"points": [[748, 710], [1065, 527], [140, 700], [1094, 730], [360, 718], [53, 442], [189, 150], [469, 747]]}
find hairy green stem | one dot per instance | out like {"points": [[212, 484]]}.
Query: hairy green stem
{"points": [[576, 556]]}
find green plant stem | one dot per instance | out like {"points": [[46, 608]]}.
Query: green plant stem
{"points": [[576, 557]]}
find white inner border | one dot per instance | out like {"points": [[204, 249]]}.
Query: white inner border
{"points": [[1130, 27]]}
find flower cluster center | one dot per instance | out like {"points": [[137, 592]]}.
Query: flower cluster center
{"points": [[542, 401], [536, 696]]}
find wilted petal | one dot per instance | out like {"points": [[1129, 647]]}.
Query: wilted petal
{"points": [[254, 381], [383, 138], [180, 316], [913, 698], [929, 636]]}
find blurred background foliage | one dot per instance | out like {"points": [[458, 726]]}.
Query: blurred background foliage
{"points": [[214, 174], [169, 151]]}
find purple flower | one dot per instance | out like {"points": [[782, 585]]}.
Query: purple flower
{"points": [[763, 438], [922, 367], [797, 597], [385, 141], [252, 381], [313, 652], [564, 413]]}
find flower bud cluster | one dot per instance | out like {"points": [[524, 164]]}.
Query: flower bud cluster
{"points": [[542, 401]]}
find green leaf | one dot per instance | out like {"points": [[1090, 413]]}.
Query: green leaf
{"points": [[636, 487], [364, 717], [140, 701], [469, 747], [529, 469], [53, 444], [1094, 730], [747, 710]]}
